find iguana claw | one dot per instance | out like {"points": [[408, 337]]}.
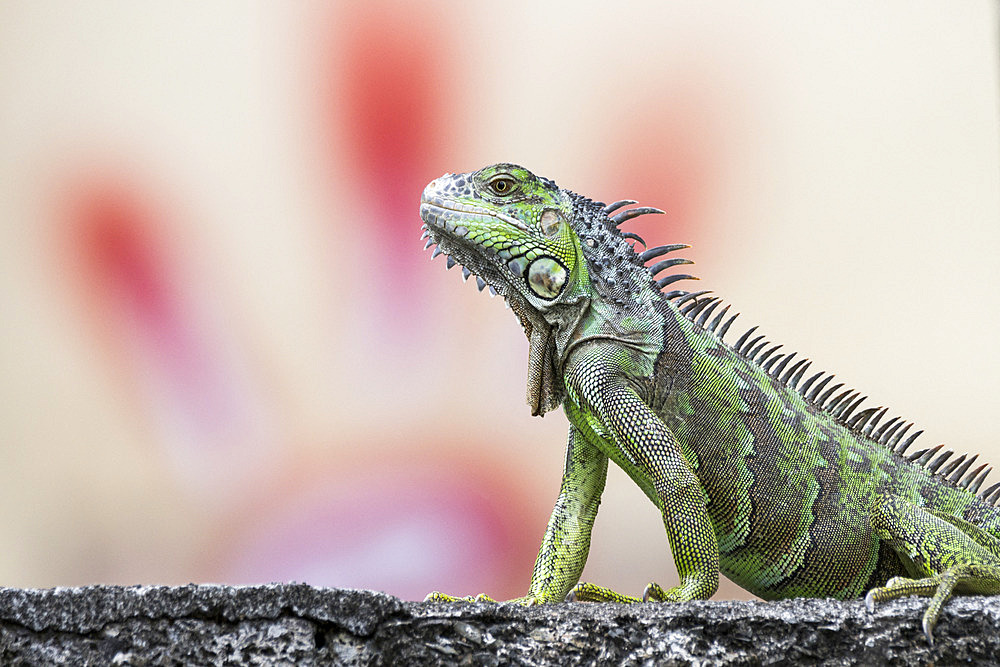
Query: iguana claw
{"points": [[654, 593]]}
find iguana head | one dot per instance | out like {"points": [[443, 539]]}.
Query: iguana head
{"points": [[552, 254], [511, 229]]}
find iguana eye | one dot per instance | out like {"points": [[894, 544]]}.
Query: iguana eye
{"points": [[502, 185], [546, 277]]}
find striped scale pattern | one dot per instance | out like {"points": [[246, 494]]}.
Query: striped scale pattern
{"points": [[819, 389]]}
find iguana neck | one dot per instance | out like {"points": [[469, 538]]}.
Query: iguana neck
{"points": [[554, 335]]}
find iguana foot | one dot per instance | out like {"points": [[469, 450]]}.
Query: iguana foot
{"points": [[953, 554], [938, 587], [590, 593], [654, 593], [437, 596]]}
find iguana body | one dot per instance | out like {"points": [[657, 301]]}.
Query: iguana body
{"points": [[760, 469]]}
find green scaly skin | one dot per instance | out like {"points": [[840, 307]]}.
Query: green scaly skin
{"points": [[760, 470]]}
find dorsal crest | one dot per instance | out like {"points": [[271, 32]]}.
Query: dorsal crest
{"points": [[820, 389]]}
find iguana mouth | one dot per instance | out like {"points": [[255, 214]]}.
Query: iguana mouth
{"points": [[445, 222], [445, 211], [442, 218]]}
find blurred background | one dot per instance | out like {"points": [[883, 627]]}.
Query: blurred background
{"points": [[225, 356]]}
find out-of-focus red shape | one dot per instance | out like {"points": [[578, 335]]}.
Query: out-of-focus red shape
{"points": [[123, 260], [390, 110], [406, 527], [144, 302], [667, 156]]}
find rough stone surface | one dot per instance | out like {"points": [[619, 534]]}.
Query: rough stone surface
{"points": [[302, 625]]}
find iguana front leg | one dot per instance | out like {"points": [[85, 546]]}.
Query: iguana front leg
{"points": [[637, 439], [567, 538], [947, 553]]}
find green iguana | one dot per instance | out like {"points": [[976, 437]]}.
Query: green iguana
{"points": [[761, 471]]}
